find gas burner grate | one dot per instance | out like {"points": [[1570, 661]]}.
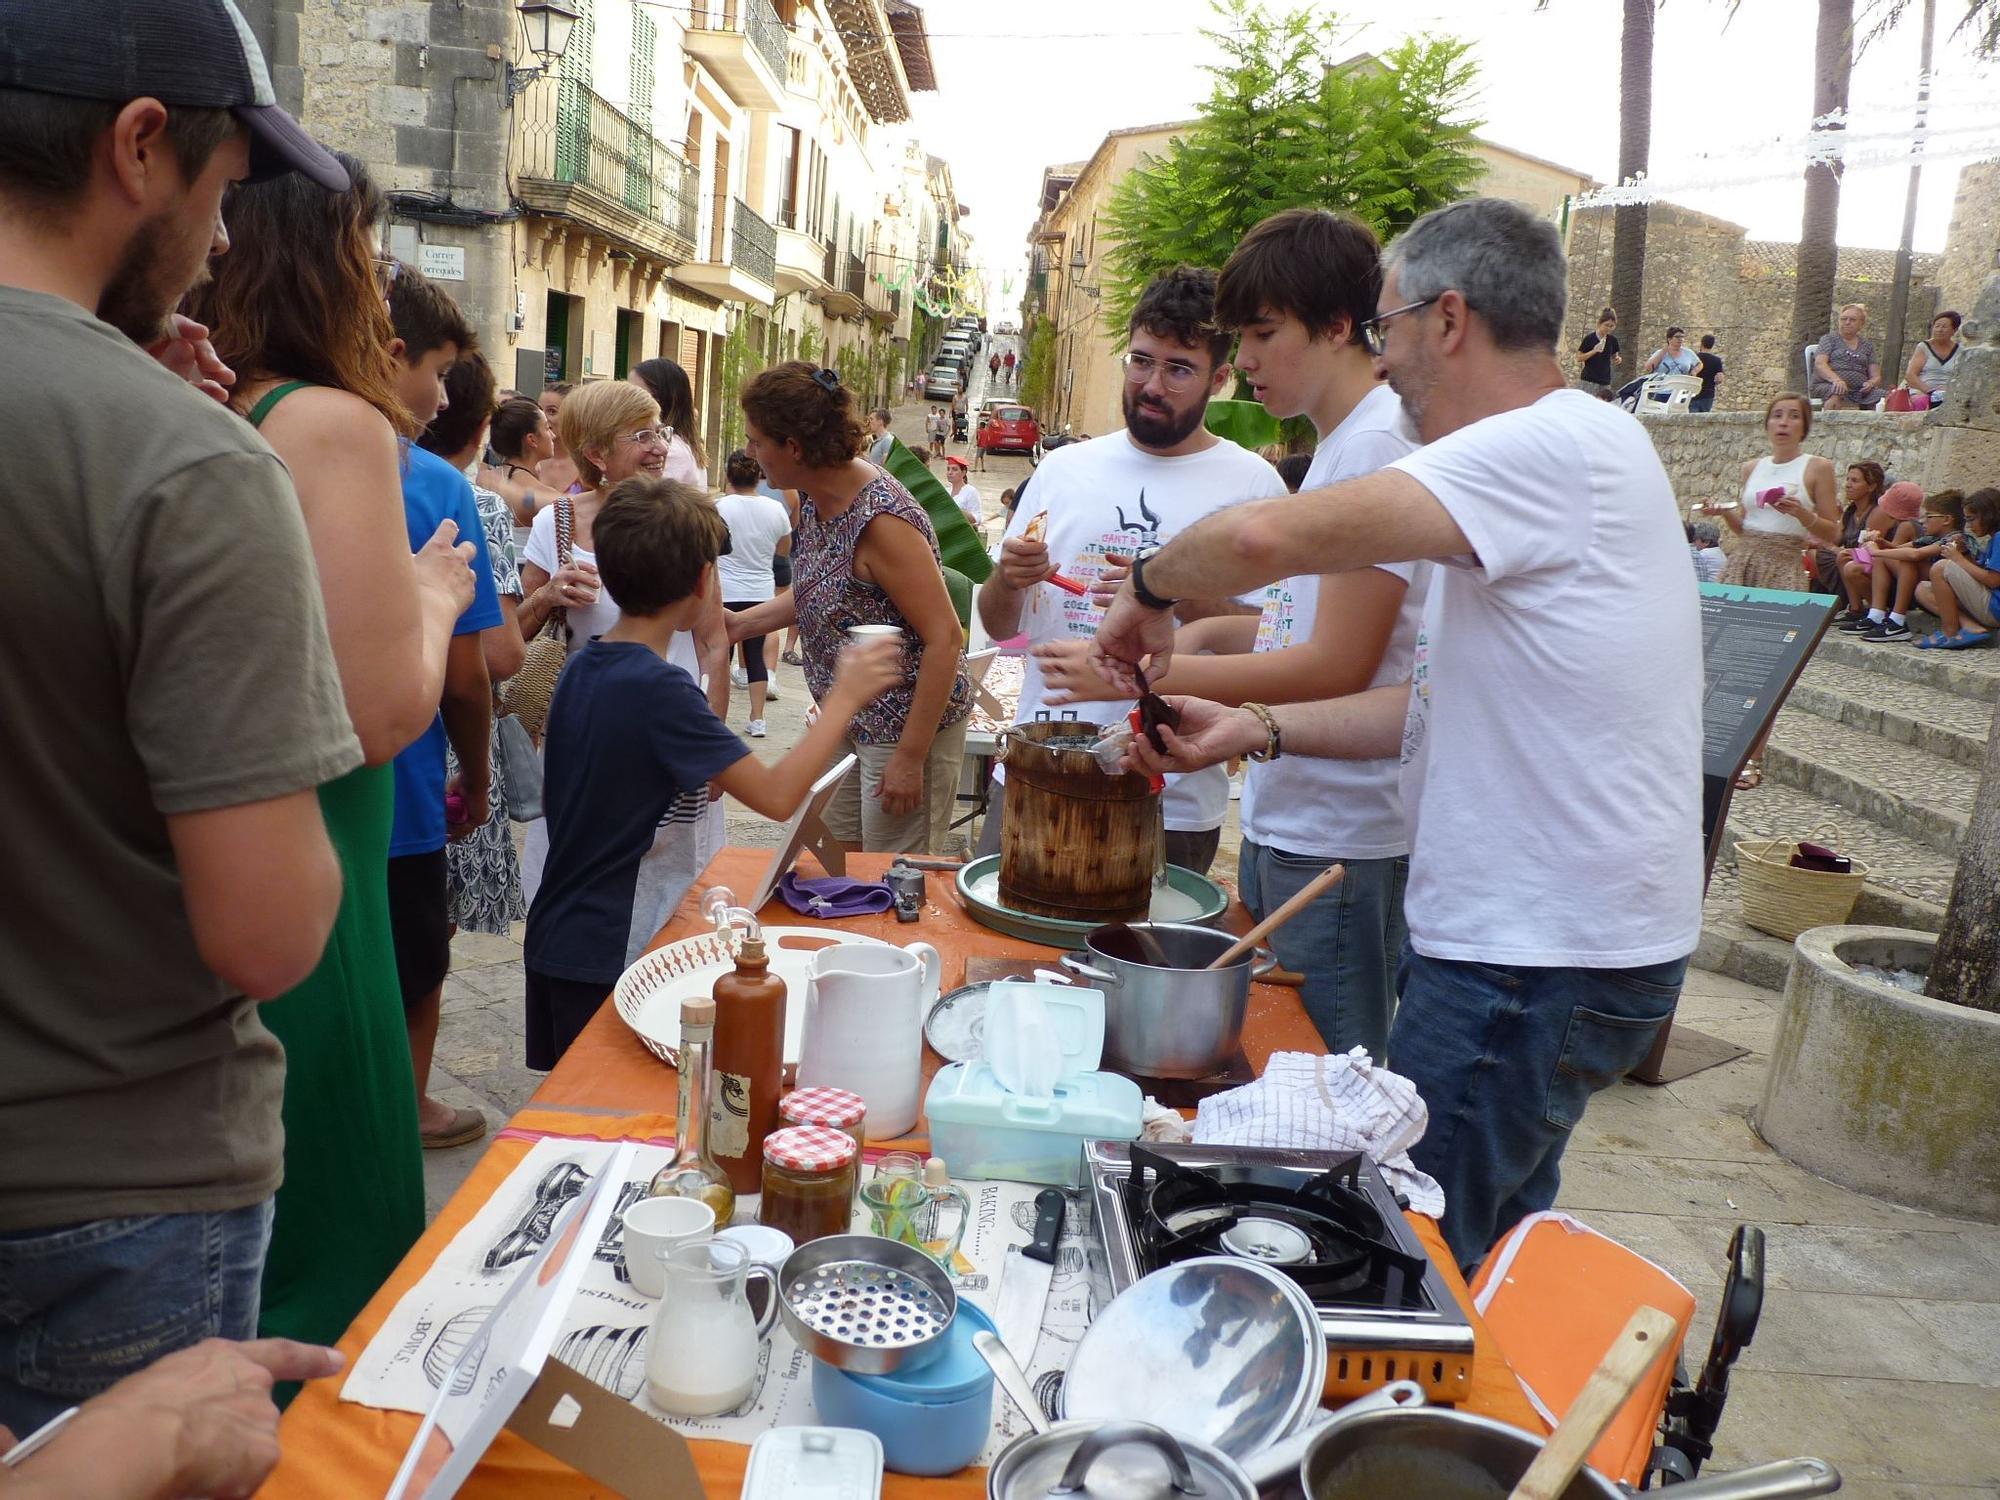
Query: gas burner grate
{"points": [[1321, 1231]]}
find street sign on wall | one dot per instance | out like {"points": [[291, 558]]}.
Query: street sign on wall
{"points": [[442, 262]]}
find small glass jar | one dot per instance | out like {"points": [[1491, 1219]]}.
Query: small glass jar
{"points": [[832, 1109], [808, 1187]]}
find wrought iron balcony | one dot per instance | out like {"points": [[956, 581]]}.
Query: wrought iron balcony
{"points": [[584, 158], [756, 243]]}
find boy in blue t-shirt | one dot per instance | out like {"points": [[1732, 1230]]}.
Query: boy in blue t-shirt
{"points": [[431, 335], [629, 734]]}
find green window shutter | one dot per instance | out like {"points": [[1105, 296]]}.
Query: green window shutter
{"points": [[573, 99], [639, 148]]}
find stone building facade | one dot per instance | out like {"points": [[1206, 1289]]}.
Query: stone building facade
{"points": [[1972, 247], [717, 181], [1703, 274]]}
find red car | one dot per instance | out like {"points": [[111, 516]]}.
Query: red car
{"points": [[1010, 428]]}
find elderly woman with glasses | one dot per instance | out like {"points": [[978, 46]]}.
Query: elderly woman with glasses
{"points": [[612, 432]]}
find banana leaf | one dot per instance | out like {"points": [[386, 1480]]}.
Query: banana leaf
{"points": [[1245, 423], [959, 546]]}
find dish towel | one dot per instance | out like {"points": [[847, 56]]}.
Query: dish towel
{"points": [[835, 896], [1340, 1103]]}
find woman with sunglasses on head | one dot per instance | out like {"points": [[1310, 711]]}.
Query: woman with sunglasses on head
{"points": [[864, 554], [613, 432], [297, 309]]}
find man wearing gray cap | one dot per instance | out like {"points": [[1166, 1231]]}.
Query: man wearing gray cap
{"points": [[170, 699]]}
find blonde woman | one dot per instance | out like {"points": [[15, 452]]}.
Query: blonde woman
{"points": [[612, 432]]}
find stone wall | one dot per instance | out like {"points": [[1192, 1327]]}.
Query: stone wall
{"points": [[1704, 455], [1705, 276], [1972, 248]]}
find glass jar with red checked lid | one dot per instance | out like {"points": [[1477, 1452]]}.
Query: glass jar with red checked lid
{"points": [[809, 1173], [836, 1109]]}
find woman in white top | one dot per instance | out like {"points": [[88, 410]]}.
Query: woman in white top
{"points": [[1935, 358], [1787, 507], [760, 530], [613, 432], [668, 384]]}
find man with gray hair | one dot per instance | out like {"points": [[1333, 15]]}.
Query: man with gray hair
{"points": [[1551, 735]]}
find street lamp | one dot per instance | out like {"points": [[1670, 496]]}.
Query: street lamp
{"points": [[547, 25]]}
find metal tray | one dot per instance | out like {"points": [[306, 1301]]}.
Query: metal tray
{"points": [[1188, 897]]}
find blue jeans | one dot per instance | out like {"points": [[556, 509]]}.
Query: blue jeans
{"points": [[1346, 943], [1702, 403], [85, 1305], [1507, 1058]]}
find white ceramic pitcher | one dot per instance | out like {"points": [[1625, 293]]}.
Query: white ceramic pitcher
{"points": [[864, 1028]]}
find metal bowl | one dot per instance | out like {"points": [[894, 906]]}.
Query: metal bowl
{"points": [[866, 1304]]}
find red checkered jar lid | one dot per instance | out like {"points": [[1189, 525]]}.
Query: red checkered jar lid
{"points": [[809, 1148], [836, 1109]]}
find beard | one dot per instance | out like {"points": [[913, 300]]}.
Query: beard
{"points": [[149, 282], [1160, 426]]}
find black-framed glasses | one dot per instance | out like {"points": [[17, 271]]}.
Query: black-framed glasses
{"points": [[1174, 375], [1371, 331]]}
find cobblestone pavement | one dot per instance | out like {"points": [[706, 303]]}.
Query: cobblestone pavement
{"points": [[1880, 1342]]}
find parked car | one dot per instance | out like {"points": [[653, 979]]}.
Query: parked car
{"points": [[942, 384], [1007, 329], [1010, 428]]}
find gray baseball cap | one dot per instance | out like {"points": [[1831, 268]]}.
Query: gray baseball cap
{"points": [[199, 54]]}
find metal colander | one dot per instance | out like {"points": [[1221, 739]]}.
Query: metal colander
{"points": [[866, 1304]]}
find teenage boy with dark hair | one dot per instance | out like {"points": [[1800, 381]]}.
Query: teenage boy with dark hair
{"points": [[1103, 498], [431, 334], [629, 732], [1297, 290]]}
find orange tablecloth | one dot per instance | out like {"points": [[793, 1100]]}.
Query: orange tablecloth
{"points": [[608, 1086]]}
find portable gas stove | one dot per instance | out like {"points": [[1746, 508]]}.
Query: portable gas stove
{"points": [[1327, 1220]]}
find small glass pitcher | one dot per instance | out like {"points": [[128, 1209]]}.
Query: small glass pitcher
{"points": [[907, 1199], [703, 1355]]}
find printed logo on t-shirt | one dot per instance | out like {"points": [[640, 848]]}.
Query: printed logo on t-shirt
{"points": [[1079, 614], [1277, 624], [1417, 724]]}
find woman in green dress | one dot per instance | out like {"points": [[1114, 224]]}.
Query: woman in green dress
{"points": [[297, 311]]}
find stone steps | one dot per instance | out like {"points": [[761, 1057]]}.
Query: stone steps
{"points": [[1884, 742]]}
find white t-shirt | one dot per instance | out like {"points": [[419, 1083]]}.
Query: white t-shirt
{"points": [[587, 622], [1303, 804], [1552, 755], [1110, 495], [757, 524], [970, 501]]}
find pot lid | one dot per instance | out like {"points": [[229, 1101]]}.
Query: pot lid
{"points": [[1119, 1461], [1220, 1349]]}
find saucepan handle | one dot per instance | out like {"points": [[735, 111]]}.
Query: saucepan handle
{"points": [[1281, 1460], [1262, 962], [1114, 1434], [1076, 965]]}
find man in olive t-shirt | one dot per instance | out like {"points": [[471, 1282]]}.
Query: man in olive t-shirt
{"points": [[170, 703]]}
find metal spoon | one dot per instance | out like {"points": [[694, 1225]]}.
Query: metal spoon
{"points": [[1011, 1377]]}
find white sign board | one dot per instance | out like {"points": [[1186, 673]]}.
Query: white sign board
{"points": [[442, 262]]}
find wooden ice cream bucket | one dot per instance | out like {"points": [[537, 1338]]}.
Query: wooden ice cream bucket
{"points": [[1074, 842]]}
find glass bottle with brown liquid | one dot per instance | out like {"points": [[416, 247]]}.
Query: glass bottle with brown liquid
{"points": [[749, 1064], [694, 1172]]}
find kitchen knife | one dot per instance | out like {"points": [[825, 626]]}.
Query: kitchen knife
{"points": [[1024, 1284]]}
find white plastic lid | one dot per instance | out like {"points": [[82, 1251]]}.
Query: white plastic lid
{"points": [[1075, 1014], [825, 1463]]}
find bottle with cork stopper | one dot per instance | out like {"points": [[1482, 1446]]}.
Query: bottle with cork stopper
{"points": [[749, 1063], [694, 1172]]}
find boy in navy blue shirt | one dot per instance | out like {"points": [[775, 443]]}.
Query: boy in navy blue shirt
{"points": [[431, 334], [629, 734]]}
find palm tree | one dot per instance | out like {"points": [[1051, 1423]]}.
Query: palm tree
{"points": [[1635, 146], [1819, 244]]}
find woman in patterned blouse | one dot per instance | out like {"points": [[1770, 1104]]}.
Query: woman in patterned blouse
{"points": [[864, 554]]}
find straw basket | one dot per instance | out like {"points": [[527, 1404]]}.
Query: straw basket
{"points": [[1783, 900]]}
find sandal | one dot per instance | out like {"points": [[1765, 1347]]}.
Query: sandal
{"points": [[1965, 639], [467, 1125], [1751, 776], [791, 658], [1937, 640]]}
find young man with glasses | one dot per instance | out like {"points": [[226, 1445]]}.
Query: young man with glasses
{"points": [[1550, 735], [1101, 499], [1298, 292]]}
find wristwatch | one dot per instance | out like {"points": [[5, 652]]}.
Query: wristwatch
{"points": [[1139, 590]]}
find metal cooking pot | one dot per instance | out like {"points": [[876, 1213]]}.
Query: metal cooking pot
{"points": [[1114, 1461], [1177, 1021], [1451, 1455]]}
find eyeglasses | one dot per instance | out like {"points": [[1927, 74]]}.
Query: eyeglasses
{"points": [[386, 272], [648, 437], [1371, 331], [1175, 376]]}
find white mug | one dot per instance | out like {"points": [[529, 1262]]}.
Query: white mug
{"points": [[653, 1227]]}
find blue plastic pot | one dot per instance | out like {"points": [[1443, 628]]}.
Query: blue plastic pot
{"points": [[931, 1420]]}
